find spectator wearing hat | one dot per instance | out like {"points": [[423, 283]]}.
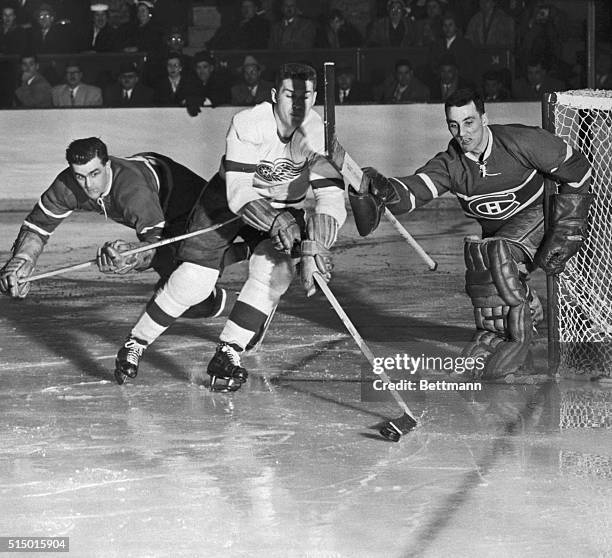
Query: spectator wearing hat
{"points": [[13, 38], [293, 31], [396, 29], [100, 36], [338, 33], [75, 93], [128, 92], [251, 90], [142, 34], [49, 38], [172, 89], [34, 91], [209, 89], [348, 90]]}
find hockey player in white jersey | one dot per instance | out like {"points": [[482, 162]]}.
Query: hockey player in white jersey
{"points": [[274, 155]]}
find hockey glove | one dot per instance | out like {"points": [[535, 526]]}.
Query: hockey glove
{"points": [[567, 231], [285, 232], [27, 248], [322, 230], [110, 258]]}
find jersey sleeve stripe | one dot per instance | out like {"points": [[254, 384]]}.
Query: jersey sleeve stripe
{"points": [[429, 183], [37, 229], [50, 213], [235, 166]]}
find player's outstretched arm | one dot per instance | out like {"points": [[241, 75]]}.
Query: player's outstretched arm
{"points": [[110, 257], [25, 252]]}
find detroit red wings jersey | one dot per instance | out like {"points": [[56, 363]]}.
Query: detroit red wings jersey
{"points": [[507, 178], [132, 199], [258, 164]]}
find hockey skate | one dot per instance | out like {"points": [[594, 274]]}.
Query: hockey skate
{"points": [[225, 371], [128, 358]]}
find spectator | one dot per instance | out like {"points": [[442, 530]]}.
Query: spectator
{"points": [[252, 90], [348, 90], [142, 35], [172, 89], [209, 89], [49, 38], [393, 30], [493, 87], [491, 26], [155, 69], [431, 23], [100, 36], [35, 90], [293, 31], [403, 86], [338, 33], [75, 93], [457, 47], [13, 39], [448, 80], [536, 82], [128, 92], [249, 31]]}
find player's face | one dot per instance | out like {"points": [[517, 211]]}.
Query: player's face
{"points": [[468, 127], [294, 100], [92, 177]]}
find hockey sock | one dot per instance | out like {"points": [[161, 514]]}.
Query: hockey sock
{"points": [[189, 284]]}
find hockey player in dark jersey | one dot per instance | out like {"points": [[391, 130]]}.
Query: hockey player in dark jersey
{"points": [[149, 193], [274, 156], [497, 173]]}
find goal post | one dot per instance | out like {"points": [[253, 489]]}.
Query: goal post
{"points": [[580, 298]]}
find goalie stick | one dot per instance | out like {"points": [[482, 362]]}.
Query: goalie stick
{"points": [[346, 165], [393, 429], [146, 248]]}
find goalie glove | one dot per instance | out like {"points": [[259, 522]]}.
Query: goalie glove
{"points": [[110, 257], [322, 230], [282, 226], [567, 232], [376, 192], [27, 248]]}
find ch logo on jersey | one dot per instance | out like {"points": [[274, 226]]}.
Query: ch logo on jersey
{"points": [[494, 206], [281, 170]]}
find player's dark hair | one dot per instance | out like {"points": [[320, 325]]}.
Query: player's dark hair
{"points": [[463, 97], [296, 70], [81, 151]]}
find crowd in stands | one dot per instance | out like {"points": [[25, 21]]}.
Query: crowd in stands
{"points": [[450, 32]]}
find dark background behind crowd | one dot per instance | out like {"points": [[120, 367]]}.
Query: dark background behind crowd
{"points": [[114, 53]]}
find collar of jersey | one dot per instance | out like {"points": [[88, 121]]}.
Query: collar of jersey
{"points": [[487, 151]]}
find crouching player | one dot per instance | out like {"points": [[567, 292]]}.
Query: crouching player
{"points": [[497, 174], [149, 193], [273, 156]]}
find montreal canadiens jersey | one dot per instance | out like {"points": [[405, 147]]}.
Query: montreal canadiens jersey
{"points": [[132, 199], [258, 164], [507, 178]]}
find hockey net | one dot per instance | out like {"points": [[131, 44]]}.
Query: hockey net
{"points": [[583, 118]]}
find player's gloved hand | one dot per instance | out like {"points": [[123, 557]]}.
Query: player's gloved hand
{"points": [[110, 257], [379, 186], [285, 232], [567, 232], [14, 270], [314, 258]]}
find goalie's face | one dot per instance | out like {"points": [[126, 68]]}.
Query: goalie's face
{"points": [[293, 101], [468, 127], [93, 177]]}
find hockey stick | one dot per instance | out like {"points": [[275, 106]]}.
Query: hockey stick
{"points": [[393, 429], [348, 168], [146, 248]]}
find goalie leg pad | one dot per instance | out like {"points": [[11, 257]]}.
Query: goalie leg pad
{"points": [[367, 211], [493, 283]]}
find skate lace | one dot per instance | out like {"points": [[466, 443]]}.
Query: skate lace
{"points": [[135, 350], [232, 354]]}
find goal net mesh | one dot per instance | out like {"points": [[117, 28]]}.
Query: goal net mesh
{"points": [[583, 118]]}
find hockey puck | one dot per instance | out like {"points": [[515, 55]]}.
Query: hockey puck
{"points": [[394, 429], [390, 433]]}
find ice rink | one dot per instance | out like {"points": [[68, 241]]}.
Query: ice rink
{"points": [[292, 465]]}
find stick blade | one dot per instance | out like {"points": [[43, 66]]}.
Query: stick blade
{"points": [[394, 429]]}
